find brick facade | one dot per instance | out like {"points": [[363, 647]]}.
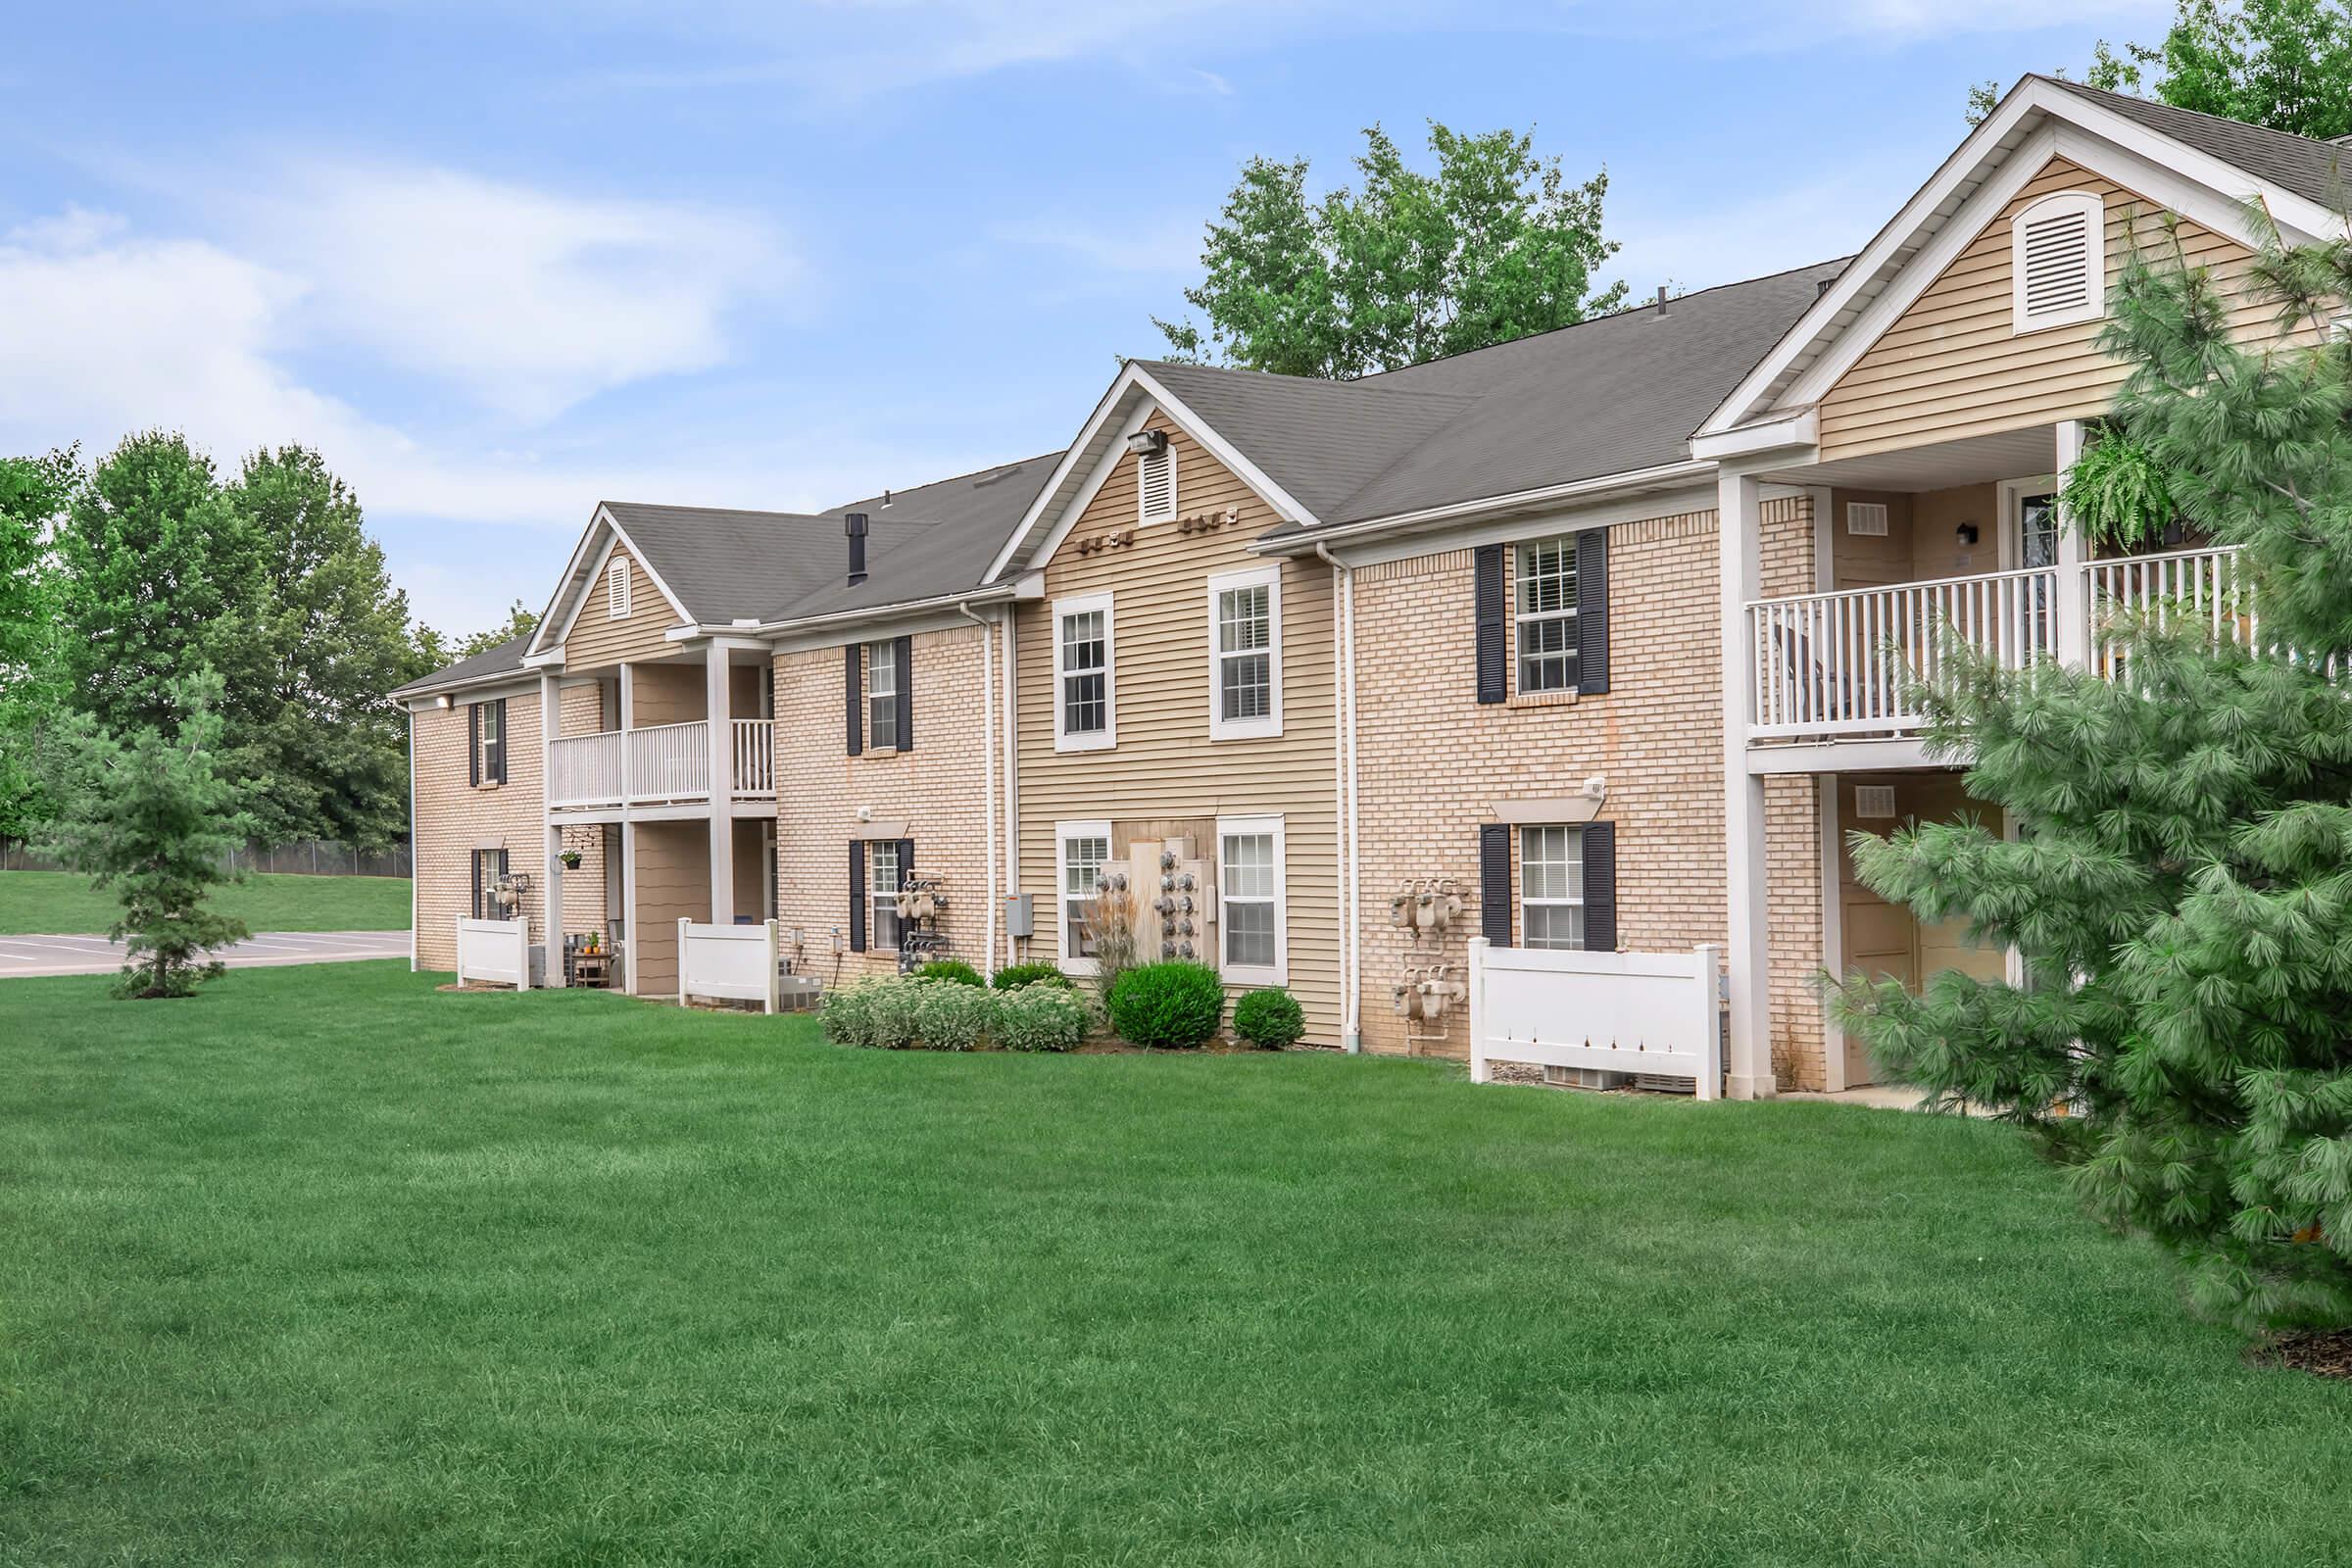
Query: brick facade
{"points": [[936, 789], [455, 817]]}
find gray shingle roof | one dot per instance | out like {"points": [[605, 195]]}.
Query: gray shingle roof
{"points": [[507, 656], [2312, 169], [926, 542]]}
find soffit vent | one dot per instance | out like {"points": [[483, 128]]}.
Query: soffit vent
{"points": [[1867, 519]]}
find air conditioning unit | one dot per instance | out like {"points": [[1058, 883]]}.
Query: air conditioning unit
{"points": [[1585, 1078]]}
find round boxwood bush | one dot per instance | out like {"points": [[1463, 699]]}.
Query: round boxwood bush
{"points": [[1013, 976], [956, 970], [1269, 1019], [1173, 1005]]}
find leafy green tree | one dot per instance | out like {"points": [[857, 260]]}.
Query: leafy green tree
{"points": [[148, 815], [33, 492], [2284, 64], [1493, 246], [2182, 891], [161, 579], [326, 749]]}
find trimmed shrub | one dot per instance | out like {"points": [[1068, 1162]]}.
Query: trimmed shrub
{"points": [[955, 969], [951, 1014], [895, 1005], [848, 1016], [1174, 1004], [1269, 1019], [1013, 976], [1042, 1017]]}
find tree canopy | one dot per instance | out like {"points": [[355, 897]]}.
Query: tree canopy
{"points": [[2284, 64], [1495, 245], [33, 493]]}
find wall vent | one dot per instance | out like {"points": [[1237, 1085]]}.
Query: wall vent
{"points": [[1866, 518], [617, 590], [2057, 259], [1873, 800], [1155, 485]]}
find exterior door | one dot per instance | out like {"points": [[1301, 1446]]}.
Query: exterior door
{"points": [[2037, 525]]}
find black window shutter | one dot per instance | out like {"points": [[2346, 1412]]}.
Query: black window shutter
{"points": [[856, 891], [1493, 667], [473, 752], [853, 683], [1494, 882], [905, 862], [498, 754], [473, 877], [1592, 611], [904, 657], [1601, 887]]}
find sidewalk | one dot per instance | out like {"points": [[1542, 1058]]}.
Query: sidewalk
{"points": [[21, 956]]}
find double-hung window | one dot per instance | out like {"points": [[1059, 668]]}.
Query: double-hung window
{"points": [[1082, 854], [882, 888], [489, 869], [1551, 886], [1245, 654], [1546, 620], [1253, 946], [1085, 704], [882, 696]]}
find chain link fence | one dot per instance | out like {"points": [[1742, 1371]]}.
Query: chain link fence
{"points": [[301, 857]]}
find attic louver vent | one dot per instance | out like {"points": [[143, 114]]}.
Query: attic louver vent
{"points": [[617, 590], [1867, 519], [1155, 485], [2058, 263]]}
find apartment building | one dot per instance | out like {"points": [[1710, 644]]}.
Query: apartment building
{"points": [[1592, 641]]}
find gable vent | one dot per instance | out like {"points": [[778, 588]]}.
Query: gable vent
{"points": [[1155, 484], [2058, 262], [1866, 518], [617, 590]]}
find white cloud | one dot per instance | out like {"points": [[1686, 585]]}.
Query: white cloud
{"points": [[527, 301]]}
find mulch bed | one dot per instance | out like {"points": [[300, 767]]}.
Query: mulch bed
{"points": [[2322, 1352]]}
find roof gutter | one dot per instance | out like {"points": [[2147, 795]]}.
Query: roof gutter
{"points": [[1631, 483], [1021, 587], [403, 694]]}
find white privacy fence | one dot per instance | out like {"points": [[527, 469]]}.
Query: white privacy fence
{"points": [[733, 962], [1658, 1013], [498, 952]]}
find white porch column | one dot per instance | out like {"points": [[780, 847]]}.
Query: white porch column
{"points": [[722, 786], [1739, 540], [2073, 585], [551, 727], [628, 901]]}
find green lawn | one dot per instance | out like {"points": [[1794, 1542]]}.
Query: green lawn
{"points": [[61, 903], [325, 1266]]}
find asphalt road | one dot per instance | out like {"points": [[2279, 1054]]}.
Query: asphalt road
{"points": [[31, 955]]}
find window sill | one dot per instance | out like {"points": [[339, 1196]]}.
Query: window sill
{"points": [[1080, 969], [1559, 699], [1107, 741], [1245, 730], [1234, 975]]}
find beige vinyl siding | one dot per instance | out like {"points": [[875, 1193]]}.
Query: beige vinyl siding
{"points": [[1166, 774], [597, 639], [668, 694], [1951, 367], [673, 884]]}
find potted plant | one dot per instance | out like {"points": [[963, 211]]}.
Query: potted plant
{"points": [[569, 857]]}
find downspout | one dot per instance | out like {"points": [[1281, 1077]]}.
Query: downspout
{"points": [[987, 780], [1012, 775], [414, 879], [1351, 956]]}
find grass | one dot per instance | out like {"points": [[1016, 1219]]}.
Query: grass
{"points": [[62, 903], [325, 1266]]}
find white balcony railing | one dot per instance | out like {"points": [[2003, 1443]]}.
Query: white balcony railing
{"points": [[754, 756], [1826, 666], [586, 770], [669, 762]]}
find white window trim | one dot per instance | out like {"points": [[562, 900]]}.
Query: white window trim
{"points": [[616, 588], [1221, 728], [1108, 736], [1246, 974], [1573, 541], [1169, 453], [867, 664], [875, 894], [1063, 832], [2095, 305], [1576, 840]]}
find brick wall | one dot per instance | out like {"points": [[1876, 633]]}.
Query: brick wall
{"points": [[453, 818], [937, 789]]}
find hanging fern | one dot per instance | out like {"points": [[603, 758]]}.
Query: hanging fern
{"points": [[2117, 493]]}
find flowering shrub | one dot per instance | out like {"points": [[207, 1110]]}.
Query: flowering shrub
{"points": [[1042, 1017]]}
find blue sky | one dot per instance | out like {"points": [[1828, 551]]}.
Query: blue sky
{"points": [[500, 260]]}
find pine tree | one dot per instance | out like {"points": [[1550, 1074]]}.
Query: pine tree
{"points": [[147, 814], [2181, 892]]}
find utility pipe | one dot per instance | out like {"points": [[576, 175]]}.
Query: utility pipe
{"points": [[988, 779], [1351, 954]]}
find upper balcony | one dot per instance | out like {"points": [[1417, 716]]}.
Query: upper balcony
{"points": [[1845, 665], [664, 765]]}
